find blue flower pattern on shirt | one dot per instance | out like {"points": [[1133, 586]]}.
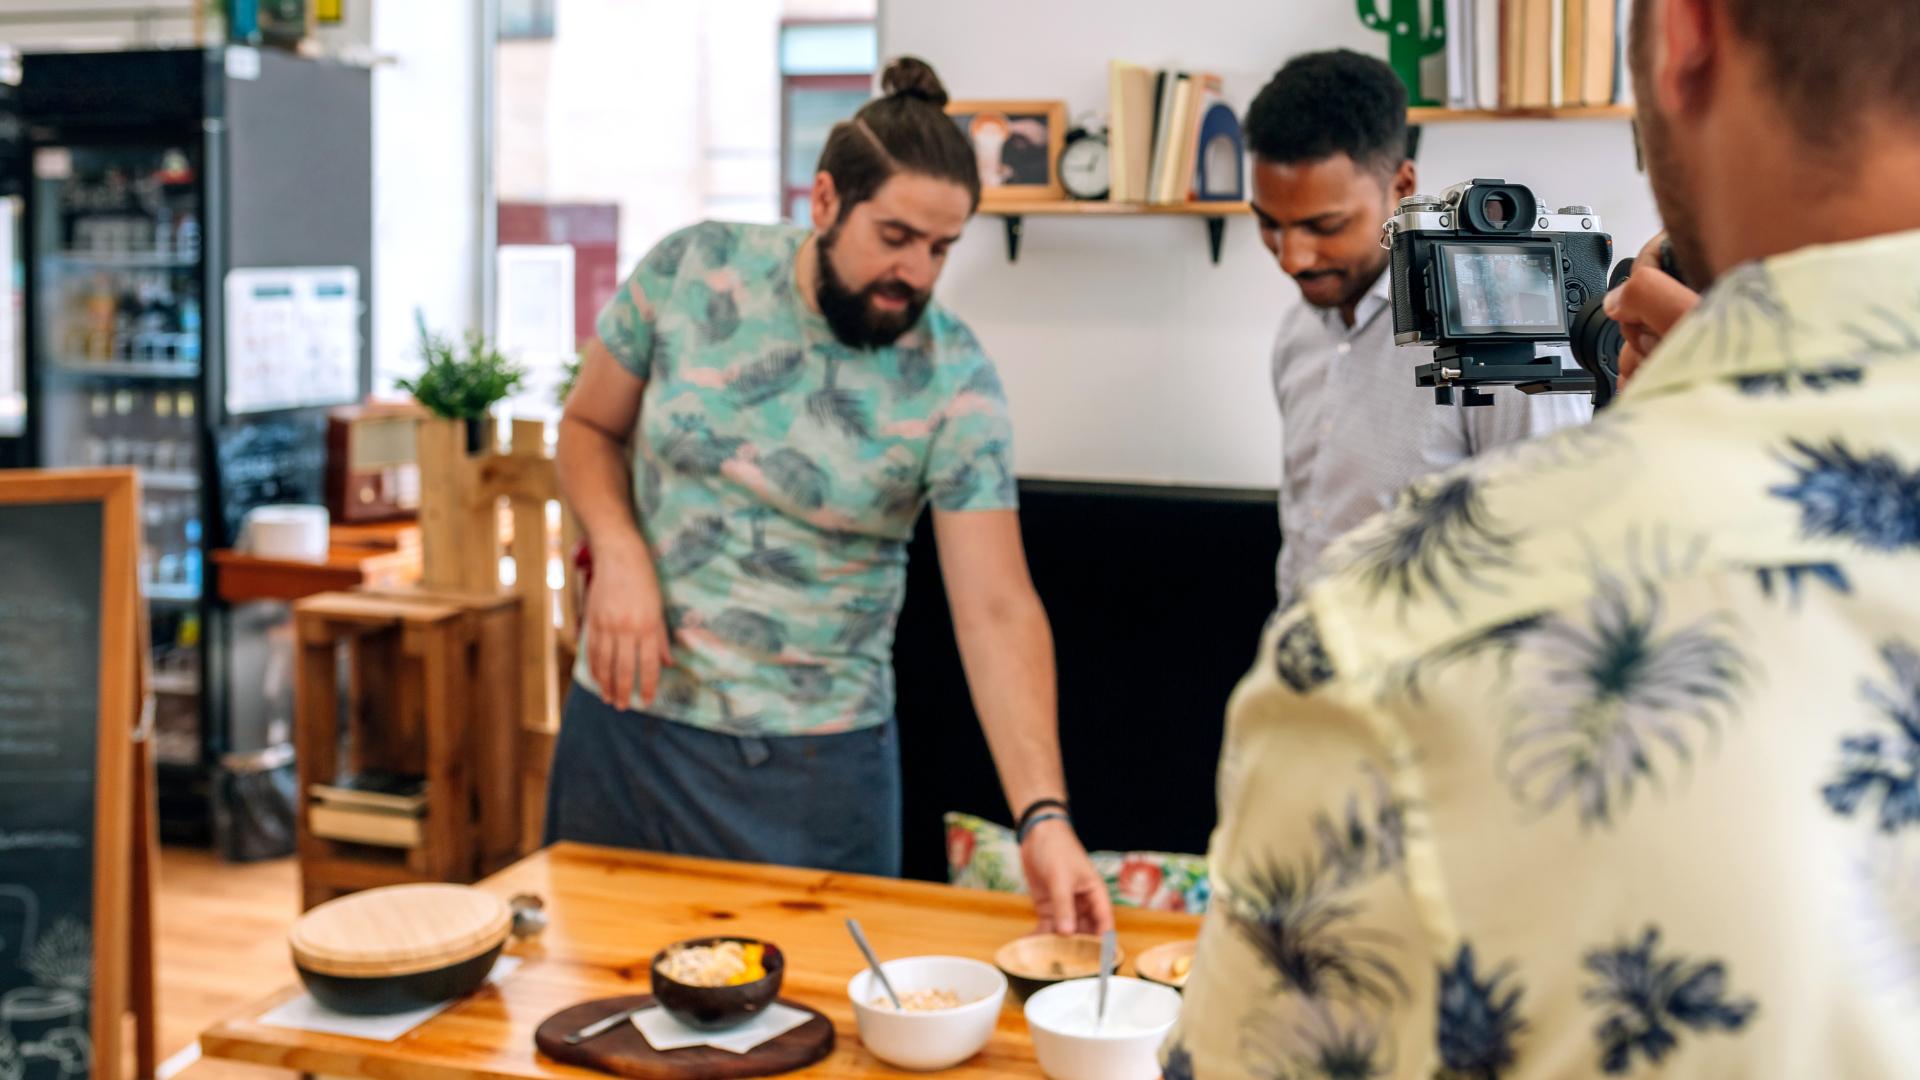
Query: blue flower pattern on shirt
{"points": [[1478, 1021], [1885, 762], [1648, 1000]]}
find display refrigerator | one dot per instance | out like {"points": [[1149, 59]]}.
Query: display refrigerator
{"points": [[197, 250]]}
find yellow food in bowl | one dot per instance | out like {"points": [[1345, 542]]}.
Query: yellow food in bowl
{"points": [[730, 963]]}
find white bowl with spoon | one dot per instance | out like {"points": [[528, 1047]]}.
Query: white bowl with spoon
{"points": [[1072, 1043], [921, 1038]]}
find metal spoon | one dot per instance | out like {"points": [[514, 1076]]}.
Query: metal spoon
{"points": [[873, 962], [602, 1026], [1109, 946]]}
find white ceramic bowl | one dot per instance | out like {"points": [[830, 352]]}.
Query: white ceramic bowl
{"points": [[926, 1041], [1127, 1047]]}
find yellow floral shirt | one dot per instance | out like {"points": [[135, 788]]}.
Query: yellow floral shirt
{"points": [[1600, 755]]}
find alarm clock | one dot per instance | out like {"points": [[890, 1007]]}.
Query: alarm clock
{"points": [[1084, 164]]}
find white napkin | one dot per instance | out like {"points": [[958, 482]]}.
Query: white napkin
{"points": [[664, 1033], [307, 1014]]}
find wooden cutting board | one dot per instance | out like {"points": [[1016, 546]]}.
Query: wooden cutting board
{"points": [[624, 1051]]}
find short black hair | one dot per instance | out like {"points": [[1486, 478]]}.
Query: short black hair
{"points": [[1327, 103]]}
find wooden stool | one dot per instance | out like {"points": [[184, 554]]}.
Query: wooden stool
{"points": [[432, 691]]}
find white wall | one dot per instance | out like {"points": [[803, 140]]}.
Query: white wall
{"points": [[1126, 354], [426, 176]]}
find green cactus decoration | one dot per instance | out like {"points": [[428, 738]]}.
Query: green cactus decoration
{"points": [[1407, 44]]}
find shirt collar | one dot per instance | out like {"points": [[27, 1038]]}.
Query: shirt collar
{"points": [[1830, 310], [1378, 298]]}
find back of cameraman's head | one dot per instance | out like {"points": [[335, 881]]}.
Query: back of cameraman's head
{"points": [[1830, 63], [1327, 103]]}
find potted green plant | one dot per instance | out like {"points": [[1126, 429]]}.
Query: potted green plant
{"points": [[462, 385], [569, 374]]}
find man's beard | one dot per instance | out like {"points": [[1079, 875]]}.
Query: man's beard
{"points": [[1667, 174], [850, 313], [1356, 282]]}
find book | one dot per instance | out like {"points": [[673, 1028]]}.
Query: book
{"points": [[1166, 87], [1174, 173], [1487, 16], [1208, 91], [1556, 52], [1602, 45], [1622, 82], [1572, 46], [374, 791], [1513, 36], [1460, 46], [1130, 131], [1536, 53], [364, 826]]}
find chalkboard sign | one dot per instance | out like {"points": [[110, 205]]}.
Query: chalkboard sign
{"points": [[278, 458], [70, 641]]}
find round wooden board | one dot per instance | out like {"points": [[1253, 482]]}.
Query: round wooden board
{"points": [[399, 930], [624, 1051]]}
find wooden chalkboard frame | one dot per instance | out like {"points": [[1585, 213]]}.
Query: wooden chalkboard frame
{"points": [[124, 829]]}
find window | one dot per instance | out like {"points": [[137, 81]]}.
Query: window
{"points": [[826, 74], [526, 20]]}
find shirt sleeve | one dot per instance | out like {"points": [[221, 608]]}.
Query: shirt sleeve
{"points": [[1516, 417], [628, 323], [1312, 946], [970, 459]]}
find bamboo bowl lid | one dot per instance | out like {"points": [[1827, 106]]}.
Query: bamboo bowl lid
{"points": [[399, 930]]}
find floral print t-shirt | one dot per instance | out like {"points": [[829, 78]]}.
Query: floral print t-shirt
{"points": [[1600, 755], [777, 474]]}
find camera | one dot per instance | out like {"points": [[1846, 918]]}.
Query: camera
{"points": [[1489, 278]]}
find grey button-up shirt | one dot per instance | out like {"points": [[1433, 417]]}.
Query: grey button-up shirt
{"points": [[1354, 429]]}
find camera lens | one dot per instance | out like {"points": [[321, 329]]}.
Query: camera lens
{"points": [[1597, 340], [1499, 209]]}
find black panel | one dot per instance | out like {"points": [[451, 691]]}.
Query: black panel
{"points": [[1157, 598], [81, 92]]}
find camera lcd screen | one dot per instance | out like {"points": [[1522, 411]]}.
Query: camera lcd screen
{"points": [[1511, 290]]}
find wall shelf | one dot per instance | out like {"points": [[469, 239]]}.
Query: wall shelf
{"points": [[1425, 115], [1015, 213]]}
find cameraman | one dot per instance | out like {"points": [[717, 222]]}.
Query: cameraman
{"points": [[1600, 755], [1330, 163]]}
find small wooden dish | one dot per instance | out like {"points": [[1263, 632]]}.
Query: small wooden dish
{"points": [[1157, 963], [1038, 961], [401, 947]]}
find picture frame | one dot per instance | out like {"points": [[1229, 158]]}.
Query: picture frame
{"points": [[1018, 144]]}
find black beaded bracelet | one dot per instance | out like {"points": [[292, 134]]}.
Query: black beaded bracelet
{"points": [[1035, 807], [1035, 821]]}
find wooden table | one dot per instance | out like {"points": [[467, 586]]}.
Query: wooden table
{"points": [[386, 555], [611, 910]]}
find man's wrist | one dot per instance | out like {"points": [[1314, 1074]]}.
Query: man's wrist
{"points": [[1034, 807], [1041, 820]]}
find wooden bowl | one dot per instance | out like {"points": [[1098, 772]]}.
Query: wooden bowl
{"points": [[1038, 961], [1157, 963], [716, 1008], [402, 947]]}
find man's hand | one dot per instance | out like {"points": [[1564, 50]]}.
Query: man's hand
{"points": [[627, 637], [1068, 893], [1647, 305]]}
